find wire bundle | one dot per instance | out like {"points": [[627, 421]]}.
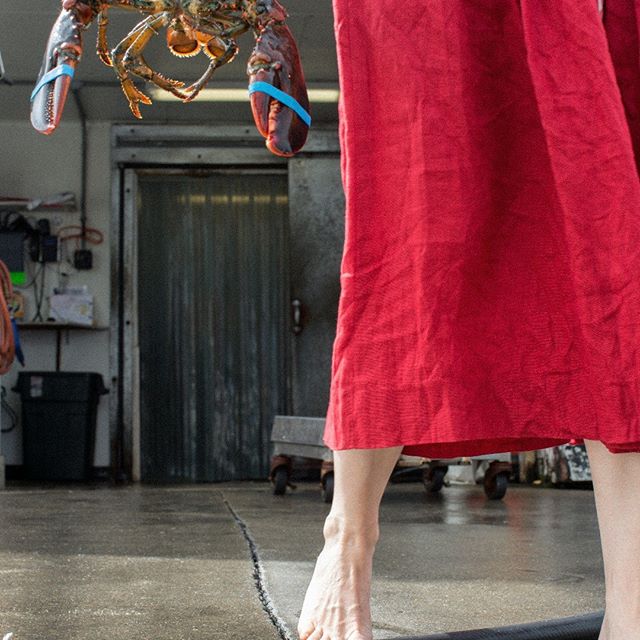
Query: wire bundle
{"points": [[88, 234], [7, 343]]}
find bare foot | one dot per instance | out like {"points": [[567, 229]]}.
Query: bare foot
{"points": [[337, 602]]}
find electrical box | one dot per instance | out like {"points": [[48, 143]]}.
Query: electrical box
{"points": [[12, 254], [83, 259], [49, 248]]}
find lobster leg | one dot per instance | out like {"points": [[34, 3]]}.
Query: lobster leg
{"points": [[146, 6], [193, 90], [103, 47], [221, 51], [62, 55], [279, 99], [127, 58]]}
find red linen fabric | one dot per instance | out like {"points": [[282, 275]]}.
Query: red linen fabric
{"points": [[490, 280]]}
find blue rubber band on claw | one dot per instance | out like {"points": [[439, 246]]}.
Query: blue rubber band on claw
{"points": [[54, 74], [283, 97]]}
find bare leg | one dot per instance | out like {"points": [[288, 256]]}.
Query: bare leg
{"points": [[616, 484], [337, 603]]}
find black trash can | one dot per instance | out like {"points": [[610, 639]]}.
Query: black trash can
{"points": [[59, 423]]}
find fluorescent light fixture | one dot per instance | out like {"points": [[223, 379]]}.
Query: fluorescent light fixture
{"points": [[222, 94]]}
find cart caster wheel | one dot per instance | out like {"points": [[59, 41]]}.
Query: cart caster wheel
{"points": [[327, 487], [496, 487], [433, 478], [280, 481]]}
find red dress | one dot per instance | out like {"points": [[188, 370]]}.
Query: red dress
{"points": [[490, 280]]}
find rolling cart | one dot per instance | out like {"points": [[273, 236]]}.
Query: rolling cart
{"points": [[299, 436], [495, 478], [302, 436]]}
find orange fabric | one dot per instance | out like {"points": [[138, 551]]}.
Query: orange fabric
{"points": [[7, 346]]}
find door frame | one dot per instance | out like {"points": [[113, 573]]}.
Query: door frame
{"points": [[162, 147]]}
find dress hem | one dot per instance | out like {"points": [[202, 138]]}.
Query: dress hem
{"points": [[484, 446]]}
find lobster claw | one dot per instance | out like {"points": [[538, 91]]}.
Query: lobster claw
{"points": [[279, 99], [64, 50]]}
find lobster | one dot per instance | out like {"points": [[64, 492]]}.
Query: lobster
{"points": [[278, 93]]}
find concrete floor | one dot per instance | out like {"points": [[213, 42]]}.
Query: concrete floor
{"points": [[142, 562]]}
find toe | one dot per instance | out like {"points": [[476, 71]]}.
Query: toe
{"points": [[305, 629], [318, 634]]}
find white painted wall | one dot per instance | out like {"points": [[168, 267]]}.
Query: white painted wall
{"points": [[33, 165]]}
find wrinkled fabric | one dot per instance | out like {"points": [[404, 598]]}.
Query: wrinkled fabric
{"points": [[490, 280]]}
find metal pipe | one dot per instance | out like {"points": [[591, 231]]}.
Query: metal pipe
{"points": [[85, 83], [83, 195]]}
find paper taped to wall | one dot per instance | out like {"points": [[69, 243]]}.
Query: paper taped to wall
{"points": [[73, 308]]}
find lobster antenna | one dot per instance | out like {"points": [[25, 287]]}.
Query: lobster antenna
{"points": [[3, 76]]}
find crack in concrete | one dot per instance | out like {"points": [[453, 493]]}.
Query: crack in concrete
{"points": [[259, 575]]}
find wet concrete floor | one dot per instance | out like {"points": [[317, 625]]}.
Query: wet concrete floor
{"points": [[145, 562]]}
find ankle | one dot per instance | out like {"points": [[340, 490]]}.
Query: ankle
{"points": [[614, 628], [624, 613], [347, 531]]}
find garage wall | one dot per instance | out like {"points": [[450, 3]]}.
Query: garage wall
{"points": [[34, 165], [317, 236]]}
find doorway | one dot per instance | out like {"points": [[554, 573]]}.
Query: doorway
{"points": [[212, 297]]}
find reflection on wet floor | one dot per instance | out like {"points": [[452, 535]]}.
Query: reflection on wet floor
{"points": [[454, 560], [170, 562]]}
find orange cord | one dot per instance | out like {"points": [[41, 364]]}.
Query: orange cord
{"points": [[7, 344], [94, 236]]}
